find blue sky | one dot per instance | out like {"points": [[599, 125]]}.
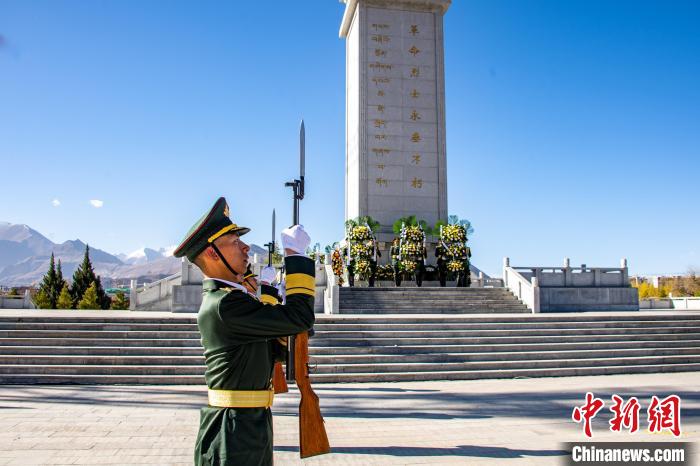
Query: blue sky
{"points": [[573, 128]]}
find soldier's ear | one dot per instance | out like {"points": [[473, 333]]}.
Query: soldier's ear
{"points": [[210, 254]]}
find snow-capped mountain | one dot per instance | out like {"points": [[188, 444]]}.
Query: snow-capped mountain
{"points": [[146, 255], [25, 255]]}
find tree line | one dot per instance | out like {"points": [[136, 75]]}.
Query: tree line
{"points": [[84, 292], [681, 286]]}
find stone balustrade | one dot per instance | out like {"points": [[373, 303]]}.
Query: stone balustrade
{"points": [[569, 288]]}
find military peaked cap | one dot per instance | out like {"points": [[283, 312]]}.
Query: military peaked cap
{"points": [[214, 224]]}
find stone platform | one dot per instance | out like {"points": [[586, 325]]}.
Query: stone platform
{"points": [[499, 422]]}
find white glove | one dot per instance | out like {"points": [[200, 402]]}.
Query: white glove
{"points": [[296, 239], [282, 290], [268, 275]]}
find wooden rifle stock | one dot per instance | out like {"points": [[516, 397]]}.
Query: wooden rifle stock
{"points": [[313, 439], [278, 379]]}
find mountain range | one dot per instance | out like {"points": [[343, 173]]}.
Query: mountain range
{"points": [[25, 255]]}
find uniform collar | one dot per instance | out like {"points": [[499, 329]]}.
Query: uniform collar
{"points": [[212, 284]]}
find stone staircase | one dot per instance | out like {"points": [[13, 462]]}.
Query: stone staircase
{"points": [[100, 350], [428, 300], [74, 348]]}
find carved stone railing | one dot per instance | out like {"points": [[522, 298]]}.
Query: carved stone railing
{"points": [[572, 288], [526, 289], [583, 276]]}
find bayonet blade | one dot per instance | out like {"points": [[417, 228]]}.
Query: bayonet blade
{"points": [[302, 149]]}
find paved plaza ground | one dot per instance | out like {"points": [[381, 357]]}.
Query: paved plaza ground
{"points": [[512, 422]]}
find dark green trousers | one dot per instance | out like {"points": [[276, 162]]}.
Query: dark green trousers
{"points": [[234, 436]]}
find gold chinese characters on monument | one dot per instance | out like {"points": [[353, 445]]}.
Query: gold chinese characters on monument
{"points": [[379, 151]]}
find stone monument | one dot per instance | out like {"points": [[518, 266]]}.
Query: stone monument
{"points": [[395, 111]]}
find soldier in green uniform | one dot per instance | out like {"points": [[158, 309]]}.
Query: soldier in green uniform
{"points": [[441, 254], [373, 261], [420, 267], [464, 278], [395, 254], [239, 334]]}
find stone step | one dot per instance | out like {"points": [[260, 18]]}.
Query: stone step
{"points": [[543, 347], [61, 317], [479, 310], [324, 327], [439, 358], [109, 369], [107, 360], [355, 334], [81, 379], [500, 365], [110, 327], [425, 292], [373, 334], [354, 361], [322, 318], [102, 350], [319, 341], [37, 379], [426, 298], [434, 304], [348, 350], [124, 342], [515, 318], [422, 290], [502, 374], [98, 334]]}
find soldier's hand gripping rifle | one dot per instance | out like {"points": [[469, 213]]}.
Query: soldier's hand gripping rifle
{"points": [[313, 439], [278, 381]]}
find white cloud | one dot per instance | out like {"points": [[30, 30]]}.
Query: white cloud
{"points": [[96, 203], [55, 203]]}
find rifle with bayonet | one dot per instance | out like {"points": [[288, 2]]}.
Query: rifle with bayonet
{"points": [[313, 439], [278, 379]]}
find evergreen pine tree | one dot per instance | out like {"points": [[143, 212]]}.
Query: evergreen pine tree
{"points": [[41, 300], [60, 281], [64, 299], [49, 284], [120, 302], [89, 299], [83, 278]]}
